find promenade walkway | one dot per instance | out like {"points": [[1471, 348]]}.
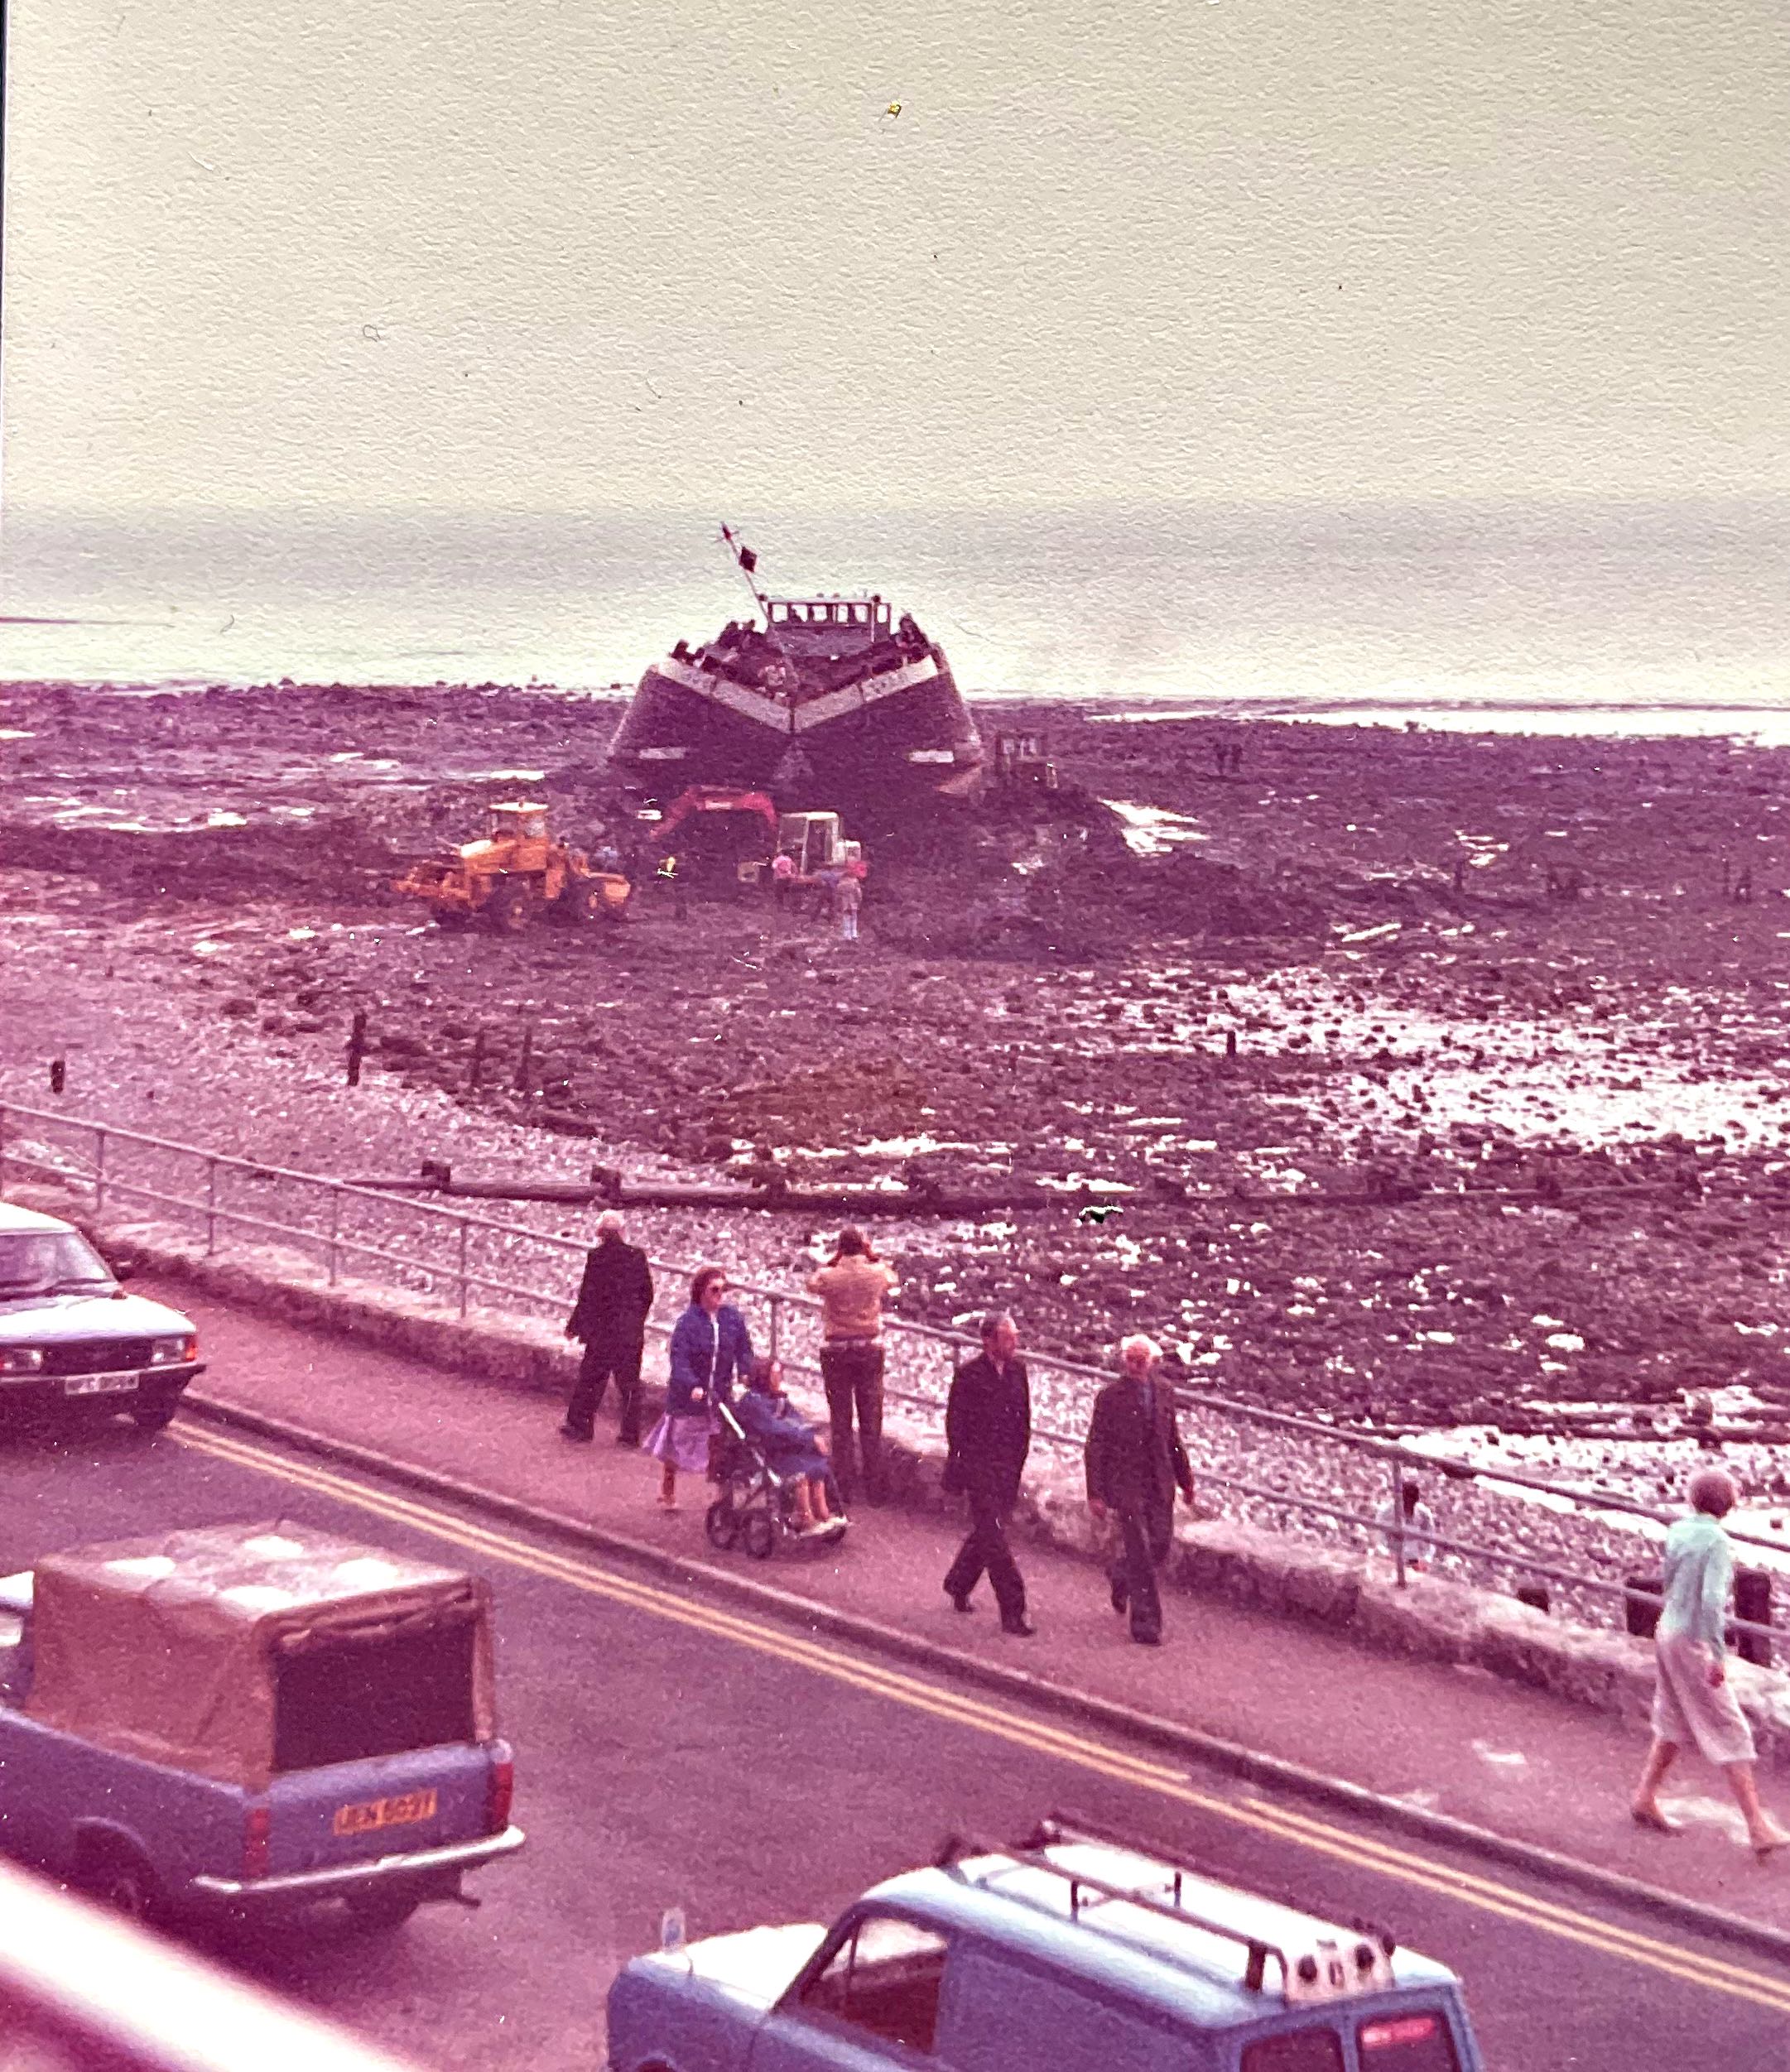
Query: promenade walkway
{"points": [[1454, 1741]]}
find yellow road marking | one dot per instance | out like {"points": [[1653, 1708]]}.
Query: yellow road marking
{"points": [[1039, 1736]]}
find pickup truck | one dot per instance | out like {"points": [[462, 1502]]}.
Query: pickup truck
{"points": [[1077, 1950], [248, 1718]]}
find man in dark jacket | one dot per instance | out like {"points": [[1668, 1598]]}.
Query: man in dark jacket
{"points": [[610, 1316], [1135, 1460], [988, 1433]]}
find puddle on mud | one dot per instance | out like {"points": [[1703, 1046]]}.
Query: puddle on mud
{"points": [[1153, 830]]}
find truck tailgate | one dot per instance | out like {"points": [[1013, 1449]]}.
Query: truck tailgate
{"points": [[382, 1806]]}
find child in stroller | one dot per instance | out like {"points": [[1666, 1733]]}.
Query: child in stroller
{"points": [[772, 1469]]}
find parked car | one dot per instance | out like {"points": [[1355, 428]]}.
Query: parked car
{"points": [[1079, 1949], [73, 1343], [248, 1718]]}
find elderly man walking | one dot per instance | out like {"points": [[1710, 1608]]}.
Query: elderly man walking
{"points": [[1135, 1460], [988, 1433], [1691, 1699], [615, 1301]]}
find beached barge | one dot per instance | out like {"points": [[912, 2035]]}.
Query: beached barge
{"points": [[829, 702]]}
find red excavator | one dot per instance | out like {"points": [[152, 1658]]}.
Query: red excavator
{"points": [[715, 831]]}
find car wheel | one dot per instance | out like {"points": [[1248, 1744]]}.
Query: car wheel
{"points": [[379, 1912], [721, 1526], [152, 1417], [759, 1532], [120, 1881]]}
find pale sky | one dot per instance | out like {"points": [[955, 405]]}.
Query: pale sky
{"points": [[570, 253]]}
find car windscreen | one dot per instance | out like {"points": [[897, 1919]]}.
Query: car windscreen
{"points": [[341, 1697], [41, 1262]]}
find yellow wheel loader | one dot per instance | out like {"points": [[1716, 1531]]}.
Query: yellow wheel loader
{"points": [[515, 875]]}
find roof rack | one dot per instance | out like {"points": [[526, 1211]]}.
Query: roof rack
{"points": [[1071, 1827], [1056, 1829]]}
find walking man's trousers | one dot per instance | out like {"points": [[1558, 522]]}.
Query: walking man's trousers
{"points": [[986, 1548], [608, 1354], [1145, 1538]]}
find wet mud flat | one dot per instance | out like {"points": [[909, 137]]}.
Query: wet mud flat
{"points": [[1426, 1078]]}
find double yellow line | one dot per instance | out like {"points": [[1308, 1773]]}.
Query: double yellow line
{"points": [[960, 1709]]}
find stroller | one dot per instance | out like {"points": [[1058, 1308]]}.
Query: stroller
{"points": [[756, 1508]]}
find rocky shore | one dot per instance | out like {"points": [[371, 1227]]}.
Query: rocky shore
{"points": [[1428, 1078]]}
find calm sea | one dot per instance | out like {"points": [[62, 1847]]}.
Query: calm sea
{"points": [[1593, 616]]}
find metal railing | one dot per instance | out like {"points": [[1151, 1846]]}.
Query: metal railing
{"points": [[1291, 1475]]}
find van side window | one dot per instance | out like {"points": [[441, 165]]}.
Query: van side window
{"points": [[1406, 2043], [884, 1978], [1296, 2050]]}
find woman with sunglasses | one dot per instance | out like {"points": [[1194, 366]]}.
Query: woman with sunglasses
{"points": [[711, 1349]]}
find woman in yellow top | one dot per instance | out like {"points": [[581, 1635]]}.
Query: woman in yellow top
{"points": [[852, 1287]]}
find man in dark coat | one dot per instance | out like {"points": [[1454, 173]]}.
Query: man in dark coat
{"points": [[988, 1433], [1135, 1460], [610, 1316]]}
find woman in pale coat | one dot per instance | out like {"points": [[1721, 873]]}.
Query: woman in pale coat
{"points": [[1692, 1699]]}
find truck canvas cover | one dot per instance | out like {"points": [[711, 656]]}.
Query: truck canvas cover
{"points": [[165, 1648]]}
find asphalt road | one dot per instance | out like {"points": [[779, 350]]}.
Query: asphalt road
{"points": [[674, 1752]]}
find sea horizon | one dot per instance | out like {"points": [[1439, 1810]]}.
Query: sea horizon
{"points": [[1586, 615]]}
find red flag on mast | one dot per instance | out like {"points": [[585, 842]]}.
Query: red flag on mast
{"points": [[743, 553]]}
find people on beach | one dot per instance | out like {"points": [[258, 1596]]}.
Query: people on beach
{"points": [[988, 1433], [848, 898], [614, 1300], [1135, 1461], [1409, 1522], [792, 1449], [710, 1349], [852, 1287], [1692, 1700], [671, 876]]}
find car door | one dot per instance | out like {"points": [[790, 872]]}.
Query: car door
{"points": [[869, 2002]]}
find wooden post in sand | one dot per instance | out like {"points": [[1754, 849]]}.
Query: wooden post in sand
{"points": [[357, 1045]]}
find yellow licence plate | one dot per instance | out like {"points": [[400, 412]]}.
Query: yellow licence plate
{"points": [[385, 1813]]}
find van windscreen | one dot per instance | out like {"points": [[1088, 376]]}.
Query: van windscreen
{"points": [[341, 1697]]}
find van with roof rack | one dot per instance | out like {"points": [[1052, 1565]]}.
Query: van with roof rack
{"points": [[1080, 1950]]}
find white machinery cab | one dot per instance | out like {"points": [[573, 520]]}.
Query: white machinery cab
{"points": [[812, 839]]}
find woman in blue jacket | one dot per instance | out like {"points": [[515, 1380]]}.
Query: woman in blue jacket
{"points": [[710, 1349]]}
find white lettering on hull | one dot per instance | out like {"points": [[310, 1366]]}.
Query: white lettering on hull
{"points": [[835, 703], [767, 712]]}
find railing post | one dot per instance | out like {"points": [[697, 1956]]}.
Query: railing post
{"points": [[211, 1205], [100, 1172], [1398, 1519], [336, 1226], [776, 1323], [465, 1232]]}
